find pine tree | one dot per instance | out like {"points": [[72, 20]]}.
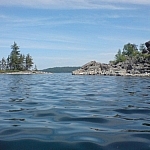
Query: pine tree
{"points": [[22, 62], [14, 57], [28, 61], [3, 64]]}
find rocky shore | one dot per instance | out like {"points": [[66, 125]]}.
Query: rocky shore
{"points": [[135, 63], [130, 67]]}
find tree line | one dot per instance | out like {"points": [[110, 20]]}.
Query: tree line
{"points": [[61, 69], [131, 51], [16, 60]]}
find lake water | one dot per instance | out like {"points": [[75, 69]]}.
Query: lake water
{"points": [[65, 112]]}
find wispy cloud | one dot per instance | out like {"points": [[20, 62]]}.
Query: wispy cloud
{"points": [[141, 2], [134, 28], [73, 4], [3, 16]]}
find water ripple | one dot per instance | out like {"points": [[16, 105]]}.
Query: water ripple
{"points": [[61, 111]]}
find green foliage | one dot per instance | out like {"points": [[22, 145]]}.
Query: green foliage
{"points": [[14, 57], [21, 62], [142, 47], [3, 64], [28, 61], [16, 60], [131, 51], [147, 56], [120, 57], [8, 71]]}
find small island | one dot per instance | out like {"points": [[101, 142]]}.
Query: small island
{"points": [[17, 63], [131, 61]]}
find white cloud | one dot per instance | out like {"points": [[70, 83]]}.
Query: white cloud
{"points": [[143, 2], [76, 4]]}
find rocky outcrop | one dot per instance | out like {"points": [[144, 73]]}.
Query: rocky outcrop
{"points": [[146, 50], [148, 46], [138, 65], [90, 68], [131, 67]]}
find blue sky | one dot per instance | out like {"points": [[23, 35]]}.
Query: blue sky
{"points": [[72, 32]]}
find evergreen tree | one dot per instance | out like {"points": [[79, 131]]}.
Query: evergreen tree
{"points": [[29, 62], [3, 64], [14, 57], [16, 61], [130, 50], [8, 63], [22, 62]]}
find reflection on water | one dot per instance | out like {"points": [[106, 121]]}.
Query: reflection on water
{"points": [[61, 111]]}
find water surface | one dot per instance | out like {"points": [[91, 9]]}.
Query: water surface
{"points": [[61, 111]]}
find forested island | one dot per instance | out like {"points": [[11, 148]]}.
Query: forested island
{"points": [[131, 61], [60, 69], [16, 61]]}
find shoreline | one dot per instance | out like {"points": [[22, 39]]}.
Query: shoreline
{"points": [[117, 74], [26, 72], [120, 69]]}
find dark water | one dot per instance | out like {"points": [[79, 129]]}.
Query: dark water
{"points": [[65, 112]]}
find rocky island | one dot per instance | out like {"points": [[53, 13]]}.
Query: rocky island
{"points": [[129, 62]]}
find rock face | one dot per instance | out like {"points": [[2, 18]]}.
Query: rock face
{"points": [[148, 46], [90, 68], [147, 49], [131, 67]]}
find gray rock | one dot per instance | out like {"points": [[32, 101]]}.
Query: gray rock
{"points": [[147, 44], [130, 67]]}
